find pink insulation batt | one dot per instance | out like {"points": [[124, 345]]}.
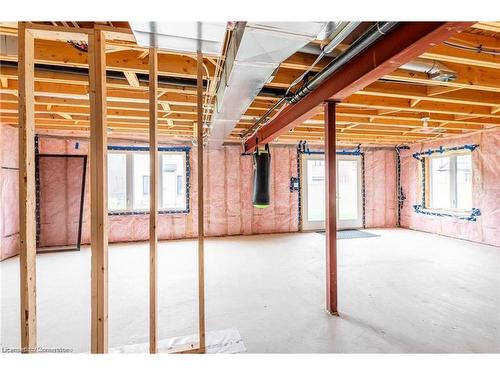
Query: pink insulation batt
{"points": [[228, 192], [485, 190], [380, 188]]}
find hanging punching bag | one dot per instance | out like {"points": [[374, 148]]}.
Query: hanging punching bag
{"points": [[261, 170]]}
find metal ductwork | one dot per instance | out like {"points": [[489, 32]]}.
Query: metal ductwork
{"points": [[368, 38], [181, 36], [434, 69], [255, 51]]}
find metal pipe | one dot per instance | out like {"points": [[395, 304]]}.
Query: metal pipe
{"points": [[340, 35], [368, 38]]}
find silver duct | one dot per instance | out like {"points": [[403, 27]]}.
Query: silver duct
{"points": [[434, 69], [255, 51]]}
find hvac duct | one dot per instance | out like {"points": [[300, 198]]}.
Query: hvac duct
{"points": [[255, 51], [368, 38], [181, 36], [434, 69]]}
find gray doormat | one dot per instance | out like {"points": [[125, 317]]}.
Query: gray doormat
{"points": [[351, 233]]}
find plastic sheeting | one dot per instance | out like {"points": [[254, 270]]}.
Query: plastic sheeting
{"points": [[485, 188], [227, 341]]}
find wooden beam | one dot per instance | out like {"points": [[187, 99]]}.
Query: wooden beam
{"points": [[331, 208], [361, 100], [449, 54], [132, 79], [418, 92], [27, 209], [62, 53], [98, 193], [153, 201], [438, 90], [488, 26], [201, 229], [468, 77]]}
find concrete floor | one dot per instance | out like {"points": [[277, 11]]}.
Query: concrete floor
{"points": [[405, 291]]}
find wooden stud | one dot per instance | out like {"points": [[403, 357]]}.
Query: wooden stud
{"points": [[201, 229], [98, 193], [331, 208], [153, 202], [27, 222]]}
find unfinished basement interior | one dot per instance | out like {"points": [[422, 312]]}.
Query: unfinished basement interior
{"points": [[250, 187]]}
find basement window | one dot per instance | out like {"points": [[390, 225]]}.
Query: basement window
{"points": [[129, 179], [449, 184]]}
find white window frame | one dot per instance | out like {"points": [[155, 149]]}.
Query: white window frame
{"points": [[130, 183], [453, 181]]}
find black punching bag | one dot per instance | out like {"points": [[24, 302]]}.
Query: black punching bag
{"points": [[261, 170]]}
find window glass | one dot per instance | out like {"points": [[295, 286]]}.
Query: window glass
{"points": [[451, 182], [140, 182], [173, 176], [440, 182], [348, 189], [464, 182], [117, 181], [129, 181], [316, 190]]}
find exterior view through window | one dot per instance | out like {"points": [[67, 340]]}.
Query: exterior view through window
{"points": [[128, 181], [450, 184]]}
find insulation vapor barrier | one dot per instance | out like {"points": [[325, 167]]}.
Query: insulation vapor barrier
{"points": [[485, 190]]}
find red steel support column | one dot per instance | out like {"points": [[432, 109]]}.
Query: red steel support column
{"points": [[331, 208]]}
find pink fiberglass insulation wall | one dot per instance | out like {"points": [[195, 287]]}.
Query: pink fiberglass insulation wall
{"points": [[60, 197], [485, 189], [228, 196], [228, 191], [380, 188], [9, 192]]}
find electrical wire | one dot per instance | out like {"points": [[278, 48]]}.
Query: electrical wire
{"points": [[478, 49]]}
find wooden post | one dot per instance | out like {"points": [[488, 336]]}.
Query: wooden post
{"points": [[27, 221], [98, 192], [331, 208], [201, 229], [153, 201]]}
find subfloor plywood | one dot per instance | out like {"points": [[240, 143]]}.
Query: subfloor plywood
{"points": [[404, 291]]}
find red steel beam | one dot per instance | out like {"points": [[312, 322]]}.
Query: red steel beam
{"points": [[403, 44], [331, 209]]}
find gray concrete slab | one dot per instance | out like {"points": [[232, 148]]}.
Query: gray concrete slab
{"points": [[404, 291]]}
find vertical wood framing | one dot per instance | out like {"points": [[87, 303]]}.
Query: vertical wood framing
{"points": [[98, 192], [201, 230], [153, 202], [27, 221], [331, 208]]}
